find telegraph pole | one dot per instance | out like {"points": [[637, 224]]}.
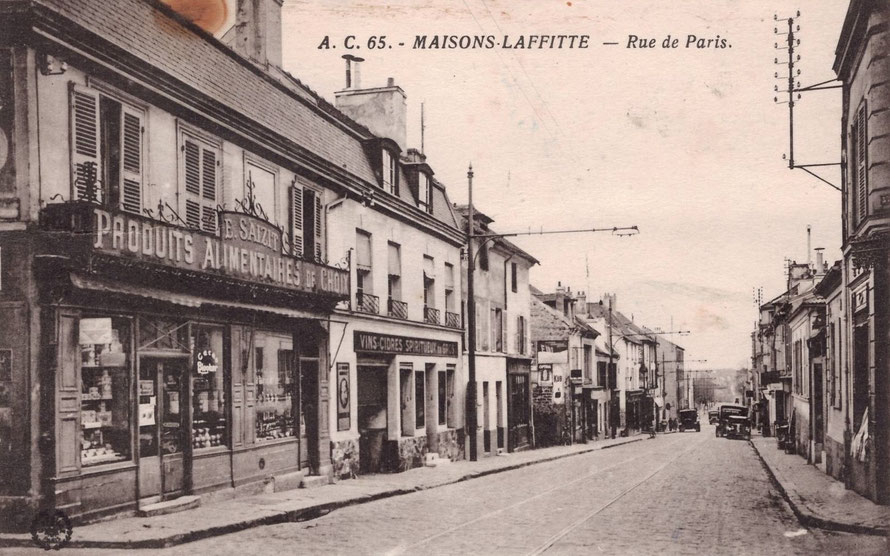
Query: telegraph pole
{"points": [[471, 325]]}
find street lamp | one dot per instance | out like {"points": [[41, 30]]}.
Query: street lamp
{"points": [[471, 300]]}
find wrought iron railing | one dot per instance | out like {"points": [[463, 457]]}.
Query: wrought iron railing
{"points": [[398, 309], [452, 319], [430, 315], [367, 303]]}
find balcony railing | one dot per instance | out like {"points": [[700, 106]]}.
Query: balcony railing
{"points": [[430, 315], [367, 303], [452, 319], [398, 309]]}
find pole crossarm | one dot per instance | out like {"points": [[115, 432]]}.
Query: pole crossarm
{"points": [[635, 229]]}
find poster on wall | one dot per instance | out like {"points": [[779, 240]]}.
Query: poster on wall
{"points": [[343, 397]]}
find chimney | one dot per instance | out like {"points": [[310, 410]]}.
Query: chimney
{"points": [[610, 298], [383, 110], [581, 304], [256, 34], [820, 265]]}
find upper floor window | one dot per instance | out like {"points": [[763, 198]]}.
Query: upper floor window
{"points": [[483, 256], [424, 192], [363, 261], [306, 213], [199, 173], [395, 272], [390, 173], [513, 278], [859, 165], [429, 290], [107, 150], [263, 182], [449, 287]]}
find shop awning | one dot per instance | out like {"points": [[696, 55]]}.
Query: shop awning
{"points": [[184, 300]]}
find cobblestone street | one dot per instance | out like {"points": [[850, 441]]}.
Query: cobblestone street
{"points": [[678, 494]]}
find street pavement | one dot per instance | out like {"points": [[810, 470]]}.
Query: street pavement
{"points": [[686, 493]]}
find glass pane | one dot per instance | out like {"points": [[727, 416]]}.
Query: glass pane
{"points": [[274, 368], [419, 400], [105, 390], [171, 418], [148, 407], [208, 389]]}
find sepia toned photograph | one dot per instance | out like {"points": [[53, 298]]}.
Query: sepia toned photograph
{"points": [[398, 277]]}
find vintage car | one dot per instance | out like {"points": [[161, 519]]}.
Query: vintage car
{"points": [[732, 421], [689, 420], [712, 417]]}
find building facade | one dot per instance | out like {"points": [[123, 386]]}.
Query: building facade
{"points": [[503, 344], [864, 70]]}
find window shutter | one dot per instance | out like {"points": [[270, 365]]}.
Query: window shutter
{"points": [[131, 147], [296, 220], [318, 219], [192, 184], [85, 151], [862, 162], [208, 190], [200, 185]]}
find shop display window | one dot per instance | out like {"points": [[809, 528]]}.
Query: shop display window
{"points": [[105, 390], [209, 423], [274, 365]]}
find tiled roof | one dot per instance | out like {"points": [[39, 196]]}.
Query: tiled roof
{"points": [[548, 324], [275, 100]]}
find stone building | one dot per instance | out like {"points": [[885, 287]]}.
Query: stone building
{"points": [[862, 66]]}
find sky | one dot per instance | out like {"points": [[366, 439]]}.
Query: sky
{"points": [[686, 144]]}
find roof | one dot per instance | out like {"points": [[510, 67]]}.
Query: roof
{"points": [[206, 71], [550, 325], [481, 222]]}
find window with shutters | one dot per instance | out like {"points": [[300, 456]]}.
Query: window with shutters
{"points": [[107, 150], [449, 287], [200, 162], [306, 222], [859, 165], [390, 172], [364, 284]]}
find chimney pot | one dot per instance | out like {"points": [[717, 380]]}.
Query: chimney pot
{"points": [[390, 82]]}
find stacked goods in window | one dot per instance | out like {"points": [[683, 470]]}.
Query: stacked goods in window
{"points": [[104, 435]]}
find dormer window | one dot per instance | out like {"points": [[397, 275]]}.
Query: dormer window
{"points": [[390, 173], [424, 193]]}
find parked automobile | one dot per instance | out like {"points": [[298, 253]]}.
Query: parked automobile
{"points": [[712, 417], [732, 421], [689, 420]]}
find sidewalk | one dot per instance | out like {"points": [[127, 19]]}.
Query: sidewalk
{"points": [[299, 504], [816, 498]]}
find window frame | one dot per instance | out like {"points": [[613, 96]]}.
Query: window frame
{"points": [[184, 133], [389, 170]]}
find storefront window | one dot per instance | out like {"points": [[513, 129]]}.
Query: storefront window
{"points": [[105, 390], [275, 394], [208, 389]]}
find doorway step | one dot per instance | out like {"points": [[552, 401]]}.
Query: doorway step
{"points": [[169, 506], [312, 481]]}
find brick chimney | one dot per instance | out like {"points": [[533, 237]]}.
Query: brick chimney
{"points": [[256, 34], [383, 110]]}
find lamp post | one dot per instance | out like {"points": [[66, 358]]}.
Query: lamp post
{"points": [[472, 421]]}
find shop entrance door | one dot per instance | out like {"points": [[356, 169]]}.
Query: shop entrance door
{"points": [[164, 469], [372, 422]]}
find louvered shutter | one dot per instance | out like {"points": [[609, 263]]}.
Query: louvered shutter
{"points": [[131, 147], [296, 220], [200, 164], [85, 150], [208, 190], [192, 158], [862, 163], [318, 219]]}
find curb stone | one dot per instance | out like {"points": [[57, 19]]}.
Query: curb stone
{"points": [[809, 519], [298, 515]]}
